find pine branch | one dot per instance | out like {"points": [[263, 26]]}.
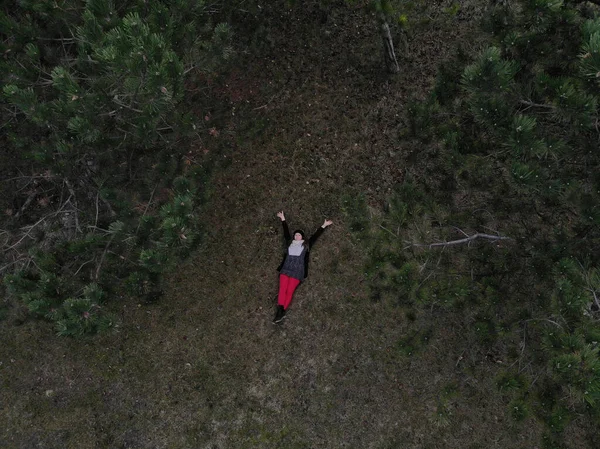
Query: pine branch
{"points": [[123, 105], [103, 256], [8, 265], [26, 204], [544, 319], [146, 209], [459, 242], [72, 192], [595, 2], [593, 292], [388, 45], [83, 265], [32, 227], [531, 104]]}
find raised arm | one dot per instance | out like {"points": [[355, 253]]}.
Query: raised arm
{"points": [[286, 229], [317, 234]]}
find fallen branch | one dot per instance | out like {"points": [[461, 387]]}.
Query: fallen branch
{"points": [[123, 105], [27, 203], [595, 2], [388, 45], [12, 263], [593, 292], [531, 104], [83, 265], [544, 319], [32, 227], [146, 209], [75, 206], [102, 257], [459, 242], [386, 229]]}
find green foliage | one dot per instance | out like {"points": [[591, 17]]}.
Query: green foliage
{"points": [[421, 117], [558, 419], [414, 342], [44, 294], [590, 54], [510, 382], [79, 316], [518, 146], [519, 410], [490, 73], [355, 208], [96, 97]]}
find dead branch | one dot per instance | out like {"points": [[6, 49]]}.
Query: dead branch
{"points": [[96, 221], [461, 231], [123, 105], [7, 238], [84, 264], [72, 192], [33, 226], [102, 257], [595, 297], [108, 206], [388, 45], [544, 319], [595, 2], [146, 209], [459, 242], [531, 104], [387, 230], [12, 263], [27, 203]]}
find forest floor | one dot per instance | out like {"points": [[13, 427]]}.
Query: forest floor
{"points": [[311, 121]]}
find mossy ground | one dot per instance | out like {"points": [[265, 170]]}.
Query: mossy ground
{"points": [[311, 119]]}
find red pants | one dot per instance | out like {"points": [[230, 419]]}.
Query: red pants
{"points": [[287, 286]]}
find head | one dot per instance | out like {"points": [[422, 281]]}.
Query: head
{"points": [[298, 235]]}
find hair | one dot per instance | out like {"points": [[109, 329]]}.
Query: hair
{"points": [[299, 231]]}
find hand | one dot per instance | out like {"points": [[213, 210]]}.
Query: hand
{"points": [[327, 223], [280, 215]]}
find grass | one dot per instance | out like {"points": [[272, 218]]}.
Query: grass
{"points": [[204, 367]]}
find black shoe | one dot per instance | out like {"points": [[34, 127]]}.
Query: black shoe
{"points": [[279, 315]]}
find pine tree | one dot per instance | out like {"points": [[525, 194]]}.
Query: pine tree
{"points": [[94, 92], [511, 148]]}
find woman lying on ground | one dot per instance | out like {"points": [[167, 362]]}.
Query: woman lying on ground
{"points": [[294, 268]]}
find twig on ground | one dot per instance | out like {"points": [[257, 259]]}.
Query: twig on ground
{"points": [[12, 263], [267, 103], [490, 229], [33, 226], [108, 206], [123, 105], [538, 105], [386, 229], [458, 242], [27, 203], [7, 238], [531, 104], [523, 345], [84, 264], [595, 297], [96, 221], [461, 231], [72, 192], [545, 319], [146, 209], [97, 274], [460, 357], [96, 228]]}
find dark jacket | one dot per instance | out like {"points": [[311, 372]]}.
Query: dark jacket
{"points": [[288, 241]]}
